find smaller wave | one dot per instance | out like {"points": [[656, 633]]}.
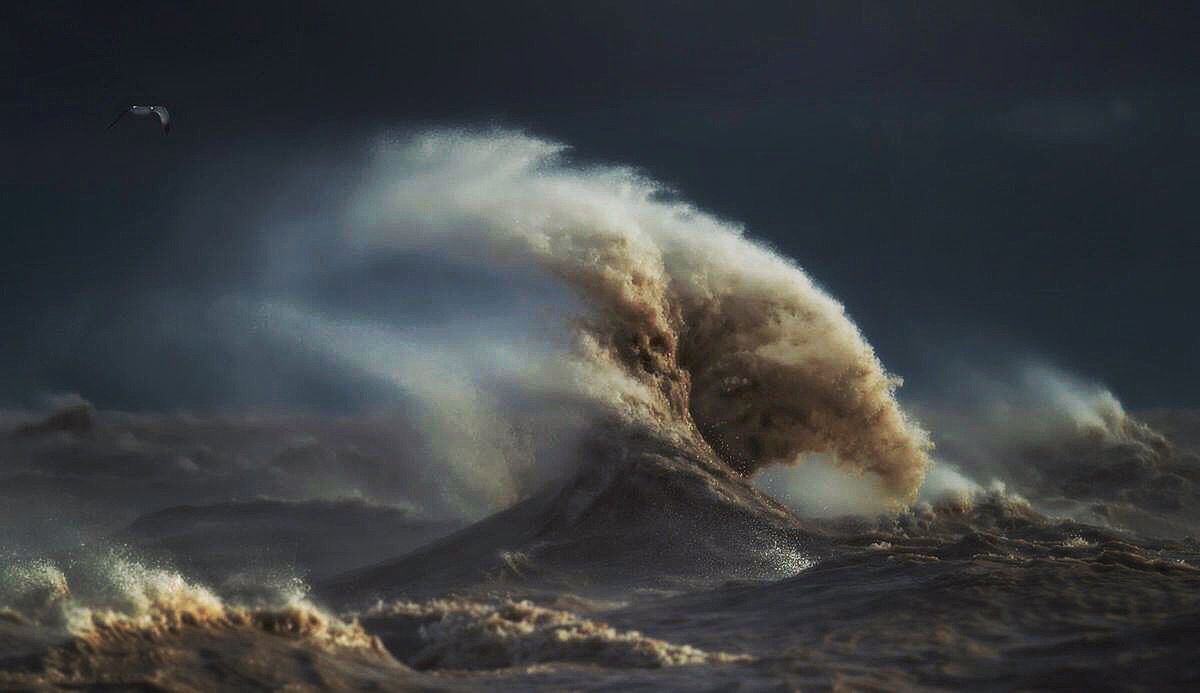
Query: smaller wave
{"points": [[464, 634], [122, 600]]}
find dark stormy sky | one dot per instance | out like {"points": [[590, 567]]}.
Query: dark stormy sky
{"points": [[984, 179]]}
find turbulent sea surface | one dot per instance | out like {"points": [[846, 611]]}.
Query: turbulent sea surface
{"points": [[704, 480]]}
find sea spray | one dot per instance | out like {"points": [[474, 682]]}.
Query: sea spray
{"points": [[731, 345]]}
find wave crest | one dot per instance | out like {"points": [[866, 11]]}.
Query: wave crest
{"points": [[122, 600], [728, 344], [463, 634]]}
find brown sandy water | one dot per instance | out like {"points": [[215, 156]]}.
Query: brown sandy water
{"points": [[596, 514]]}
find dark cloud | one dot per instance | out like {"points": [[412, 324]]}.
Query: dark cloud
{"points": [[875, 143]]}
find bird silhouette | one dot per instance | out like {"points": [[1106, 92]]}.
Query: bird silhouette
{"points": [[164, 116]]}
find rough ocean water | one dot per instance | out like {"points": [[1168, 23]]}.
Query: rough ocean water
{"points": [[696, 474]]}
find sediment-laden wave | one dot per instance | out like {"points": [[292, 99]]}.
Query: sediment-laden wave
{"points": [[177, 544], [694, 329], [1071, 449], [111, 597], [458, 633], [131, 625], [108, 620]]}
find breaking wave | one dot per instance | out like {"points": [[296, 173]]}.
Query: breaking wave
{"points": [[85, 619], [464, 634], [112, 598], [695, 331]]}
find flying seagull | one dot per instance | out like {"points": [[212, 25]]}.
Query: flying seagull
{"points": [[164, 116]]}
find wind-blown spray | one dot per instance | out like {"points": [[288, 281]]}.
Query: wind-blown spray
{"points": [[716, 340]]}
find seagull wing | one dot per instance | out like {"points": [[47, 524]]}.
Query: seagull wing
{"points": [[118, 118], [164, 117]]}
